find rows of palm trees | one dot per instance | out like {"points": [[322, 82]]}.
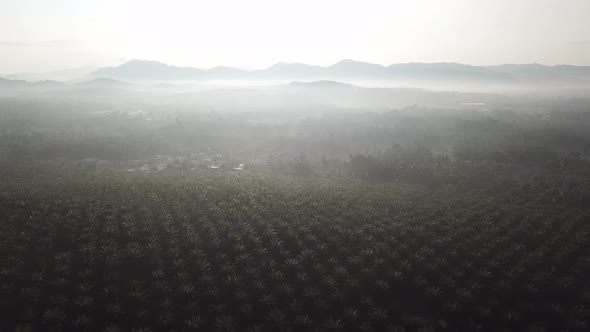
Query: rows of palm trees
{"points": [[240, 254]]}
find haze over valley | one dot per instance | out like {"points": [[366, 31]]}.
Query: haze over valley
{"points": [[264, 165]]}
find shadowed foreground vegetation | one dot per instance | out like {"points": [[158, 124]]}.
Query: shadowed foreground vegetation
{"points": [[242, 252]]}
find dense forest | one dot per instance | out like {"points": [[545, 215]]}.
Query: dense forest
{"points": [[158, 218], [245, 252]]}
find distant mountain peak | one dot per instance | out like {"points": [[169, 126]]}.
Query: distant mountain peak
{"points": [[223, 68], [345, 61], [280, 64], [348, 62], [136, 62]]}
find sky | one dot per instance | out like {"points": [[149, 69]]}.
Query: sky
{"points": [[41, 35]]}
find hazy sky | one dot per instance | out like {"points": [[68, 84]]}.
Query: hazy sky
{"points": [[43, 35]]}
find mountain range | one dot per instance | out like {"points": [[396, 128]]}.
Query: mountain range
{"points": [[350, 69], [323, 95]]}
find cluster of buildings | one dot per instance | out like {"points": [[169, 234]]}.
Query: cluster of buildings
{"points": [[131, 114], [160, 163], [194, 161]]}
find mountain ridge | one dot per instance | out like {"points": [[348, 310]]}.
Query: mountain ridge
{"points": [[352, 69]]}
